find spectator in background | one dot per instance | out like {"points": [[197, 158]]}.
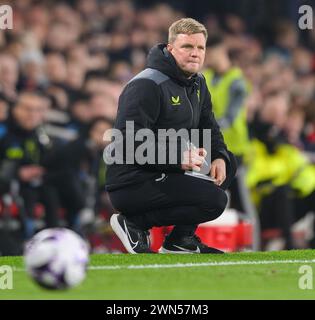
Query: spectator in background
{"points": [[228, 88], [82, 170], [285, 39], [279, 175], [75, 76], [23, 150], [56, 68], [81, 114], [32, 71], [9, 74], [293, 127]]}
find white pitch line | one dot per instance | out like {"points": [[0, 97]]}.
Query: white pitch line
{"points": [[191, 265], [202, 264]]}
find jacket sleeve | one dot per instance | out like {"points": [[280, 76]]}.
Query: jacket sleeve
{"points": [[140, 104], [208, 121]]}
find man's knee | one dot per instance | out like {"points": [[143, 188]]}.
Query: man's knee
{"points": [[215, 206], [221, 202]]}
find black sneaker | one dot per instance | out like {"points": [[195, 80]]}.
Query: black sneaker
{"points": [[134, 239], [186, 244]]}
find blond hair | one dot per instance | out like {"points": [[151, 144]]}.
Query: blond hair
{"points": [[186, 26]]}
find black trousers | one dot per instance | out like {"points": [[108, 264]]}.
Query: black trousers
{"points": [[282, 209], [302, 206], [277, 211], [177, 199], [58, 190], [70, 193], [45, 194]]}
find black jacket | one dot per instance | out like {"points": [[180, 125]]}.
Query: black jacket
{"points": [[161, 97], [20, 147], [79, 157]]}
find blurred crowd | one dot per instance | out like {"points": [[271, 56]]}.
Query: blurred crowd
{"points": [[62, 69]]}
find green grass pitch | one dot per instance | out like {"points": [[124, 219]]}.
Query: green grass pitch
{"points": [[250, 275]]}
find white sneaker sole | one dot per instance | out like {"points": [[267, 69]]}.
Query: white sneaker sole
{"points": [[165, 251], [121, 233]]}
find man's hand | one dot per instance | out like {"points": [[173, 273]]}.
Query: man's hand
{"points": [[30, 172], [194, 159], [218, 171]]}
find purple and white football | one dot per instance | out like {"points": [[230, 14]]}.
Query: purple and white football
{"points": [[57, 258]]}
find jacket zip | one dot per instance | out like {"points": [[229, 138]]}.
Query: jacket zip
{"points": [[191, 108]]}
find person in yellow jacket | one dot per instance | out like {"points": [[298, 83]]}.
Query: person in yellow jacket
{"points": [[280, 177], [228, 89]]}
